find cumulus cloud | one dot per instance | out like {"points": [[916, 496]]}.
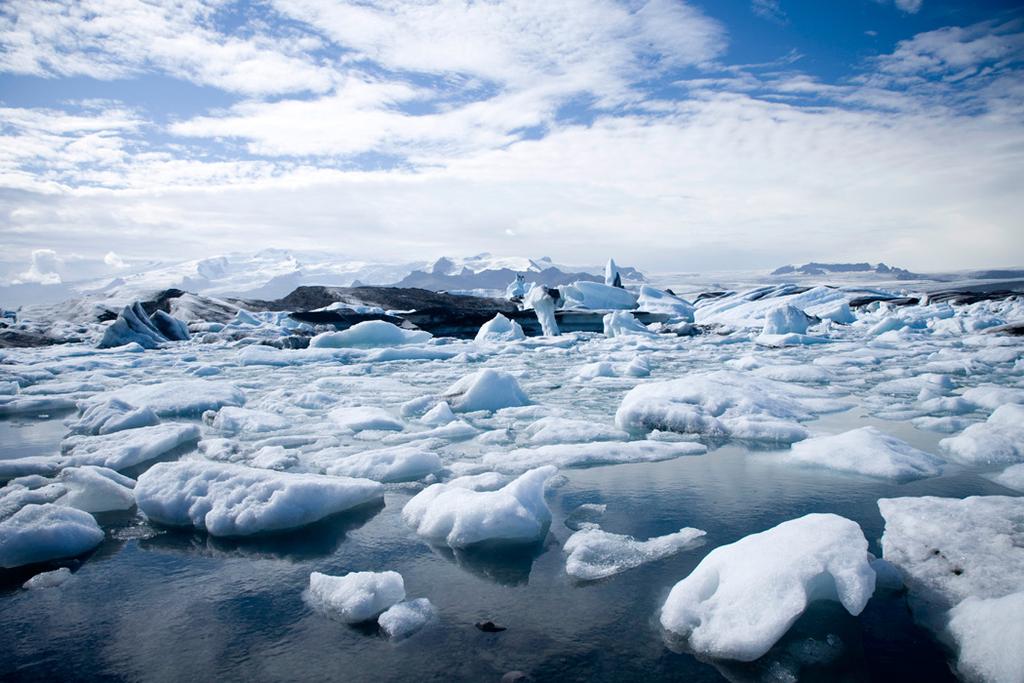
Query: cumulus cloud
{"points": [[114, 261], [43, 269]]}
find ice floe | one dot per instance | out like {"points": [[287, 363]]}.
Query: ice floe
{"points": [[500, 329], [38, 533], [369, 334], [731, 607], [998, 440], [356, 596], [486, 389], [461, 517], [866, 451], [235, 500], [595, 554]]}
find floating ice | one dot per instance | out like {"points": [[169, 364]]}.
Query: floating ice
{"points": [[19, 405], [395, 464], [39, 533], [731, 607], [357, 596], [460, 517], [998, 440], [184, 397], [596, 296], [500, 329], [132, 326], [233, 420], [653, 300], [110, 416], [988, 634], [623, 324], [360, 418], [723, 403], [571, 455], [127, 448], [51, 579], [441, 414], [234, 500], [601, 368], [539, 298], [1012, 477], [963, 564], [96, 489], [993, 397], [595, 554], [785, 319], [405, 618], [869, 452], [485, 389], [369, 334], [552, 430]]}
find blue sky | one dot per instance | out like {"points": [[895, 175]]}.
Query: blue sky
{"points": [[686, 136]]}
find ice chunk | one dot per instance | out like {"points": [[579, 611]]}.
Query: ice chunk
{"points": [[405, 618], [992, 397], [950, 549], [441, 414], [274, 458], [369, 334], [998, 440], [360, 418], [601, 368], [170, 327], [395, 464], [357, 596], [612, 276], [623, 324], [653, 300], [596, 296], [19, 405], [540, 299], [590, 454], [39, 533], [52, 579], [460, 517], [550, 430], [96, 489], [132, 326], [127, 448], [869, 452], [731, 607], [113, 415], [185, 397], [485, 389], [233, 420], [500, 329], [785, 319], [802, 374], [723, 403], [1012, 477], [234, 500], [595, 554], [988, 634]]}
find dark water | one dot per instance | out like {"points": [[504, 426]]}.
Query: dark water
{"points": [[175, 606]]}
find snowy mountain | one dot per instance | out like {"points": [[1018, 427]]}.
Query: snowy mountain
{"points": [[814, 268]]}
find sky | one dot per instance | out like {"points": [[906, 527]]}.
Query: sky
{"points": [[674, 136]]}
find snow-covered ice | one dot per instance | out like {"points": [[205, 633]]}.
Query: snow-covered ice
{"points": [[500, 329], [234, 500], [730, 607], [486, 389], [596, 554], [866, 451], [50, 579], [357, 596], [369, 334], [998, 440], [394, 464], [460, 517], [405, 618], [38, 533], [360, 418]]}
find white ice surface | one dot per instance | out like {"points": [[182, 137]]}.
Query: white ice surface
{"points": [[998, 440], [596, 554], [500, 329], [357, 596], [460, 517], [403, 619], [360, 418], [38, 533], [234, 500], [181, 397], [988, 634], [394, 464], [486, 389], [369, 334], [731, 607], [866, 451]]}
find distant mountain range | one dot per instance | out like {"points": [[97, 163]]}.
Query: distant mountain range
{"points": [[814, 268]]}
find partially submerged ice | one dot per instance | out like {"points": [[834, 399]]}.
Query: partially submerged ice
{"points": [[596, 554], [998, 440], [486, 389], [724, 404], [963, 564], [460, 517], [133, 325], [235, 500], [731, 607], [405, 618], [369, 334], [869, 452], [39, 533], [357, 596], [500, 329]]}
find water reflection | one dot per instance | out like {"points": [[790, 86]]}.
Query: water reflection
{"points": [[505, 565], [320, 539]]}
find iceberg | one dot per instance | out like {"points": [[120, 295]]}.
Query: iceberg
{"points": [[596, 296], [653, 300], [730, 607], [235, 500], [460, 517], [998, 440], [388, 465], [595, 554], [127, 448], [403, 619], [540, 299], [175, 398], [500, 329], [113, 415], [623, 324], [357, 596], [361, 418]]}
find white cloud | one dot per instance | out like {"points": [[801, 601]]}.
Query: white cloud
{"points": [[110, 39], [43, 269], [114, 261]]}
